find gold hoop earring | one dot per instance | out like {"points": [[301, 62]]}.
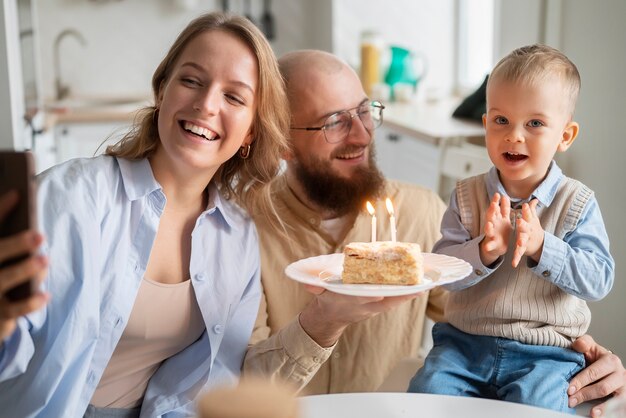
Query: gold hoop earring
{"points": [[244, 151]]}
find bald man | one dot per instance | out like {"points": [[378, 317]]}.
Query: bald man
{"points": [[326, 342]]}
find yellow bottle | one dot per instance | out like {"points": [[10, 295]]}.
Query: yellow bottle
{"points": [[371, 49]]}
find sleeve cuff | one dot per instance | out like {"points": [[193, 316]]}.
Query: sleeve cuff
{"points": [[552, 258], [16, 351], [471, 254], [301, 348]]}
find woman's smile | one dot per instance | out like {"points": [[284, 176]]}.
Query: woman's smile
{"points": [[199, 131]]}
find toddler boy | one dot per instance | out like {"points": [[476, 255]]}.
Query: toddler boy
{"points": [[535, 239]]}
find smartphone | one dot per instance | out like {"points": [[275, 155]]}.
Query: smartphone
{"points": [[17, 172]]}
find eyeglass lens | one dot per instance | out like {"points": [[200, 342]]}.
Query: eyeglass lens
{"points": [[337, 126]]}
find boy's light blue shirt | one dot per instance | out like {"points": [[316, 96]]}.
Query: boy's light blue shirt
{"points": [[582, 259], [100, 218]]}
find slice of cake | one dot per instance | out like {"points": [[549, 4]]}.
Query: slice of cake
{"points": [[383, 262]]}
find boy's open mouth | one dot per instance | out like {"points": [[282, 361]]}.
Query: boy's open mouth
{"points": [[514, 156]]}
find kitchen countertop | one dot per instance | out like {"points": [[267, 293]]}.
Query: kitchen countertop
{"points": [[94, 109], [431, 120]]}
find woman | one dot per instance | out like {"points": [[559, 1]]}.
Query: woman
{"points": [[154, 269]]}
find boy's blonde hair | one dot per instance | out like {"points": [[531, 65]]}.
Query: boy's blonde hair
{"points": [[535, 63], [245, 179]]}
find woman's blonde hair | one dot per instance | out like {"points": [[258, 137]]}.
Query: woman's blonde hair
{"points": [[246, 179]]}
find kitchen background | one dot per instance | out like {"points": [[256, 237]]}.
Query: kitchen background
{"points": [[118, 43]]}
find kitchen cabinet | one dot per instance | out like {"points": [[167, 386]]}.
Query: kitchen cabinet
{"points": [[404, 157], [84, 126], [85, 139], [421, 143], [459, 162]]}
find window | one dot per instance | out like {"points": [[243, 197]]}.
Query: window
{"points": [[475, 43]]}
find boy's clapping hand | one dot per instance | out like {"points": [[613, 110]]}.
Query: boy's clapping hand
{"points": [[497, 229], [529, 234]]}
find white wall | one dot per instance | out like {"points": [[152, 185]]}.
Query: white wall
{"points": [[125, 42], [127, 39], [593, 36]]}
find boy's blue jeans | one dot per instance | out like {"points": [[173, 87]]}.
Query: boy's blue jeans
{"points": [[497, 368]]}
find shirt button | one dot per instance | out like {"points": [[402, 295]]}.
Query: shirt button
{"points": [[119, 321], [199, 277], [137, 268], [312, 221], [336, 355], [316, 359], [478, 272], [218, 329], [546, 273]]}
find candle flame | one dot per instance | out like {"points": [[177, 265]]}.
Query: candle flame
{"points": [[370, 208], [389, 206]]}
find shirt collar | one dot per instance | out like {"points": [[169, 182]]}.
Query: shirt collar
{"points": [[233, 214], [301, 210], [544, 193], [137, 177], [139, 181]]}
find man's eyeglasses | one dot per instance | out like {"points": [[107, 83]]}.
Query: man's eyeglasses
{"points": [[337, 126]]}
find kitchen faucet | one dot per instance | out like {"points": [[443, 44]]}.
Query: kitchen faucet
{"points": [[62, 90]]}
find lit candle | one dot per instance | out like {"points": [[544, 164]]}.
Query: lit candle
{"points": [[392, 219], [372, 212]]}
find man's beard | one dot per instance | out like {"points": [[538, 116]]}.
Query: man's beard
{"points": [[338, 194]]}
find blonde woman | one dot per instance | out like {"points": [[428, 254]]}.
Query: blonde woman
{"points": [[153, 285]]}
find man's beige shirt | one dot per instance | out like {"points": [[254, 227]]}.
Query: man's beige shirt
{"points": [[367, 351]]}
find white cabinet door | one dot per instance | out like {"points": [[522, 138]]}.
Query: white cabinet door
{"points": [[459, 162], [465, 160], [86, 139], [407, 158]]}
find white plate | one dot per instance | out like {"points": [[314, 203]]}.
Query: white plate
{"points": [[325, 271]]}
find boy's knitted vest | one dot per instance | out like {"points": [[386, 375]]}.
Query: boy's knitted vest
{"points": [[517, 303]]}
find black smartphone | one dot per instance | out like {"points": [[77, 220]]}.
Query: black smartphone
{"points": [[17, 172]]}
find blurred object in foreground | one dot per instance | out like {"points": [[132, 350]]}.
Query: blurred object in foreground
{"points": [[615, 407], [252, 398]]}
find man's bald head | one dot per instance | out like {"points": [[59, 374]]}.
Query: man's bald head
{"points": [[305, 70], [299, 65]]}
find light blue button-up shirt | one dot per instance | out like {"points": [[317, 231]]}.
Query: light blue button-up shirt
{"points": [[583, 253], [100, 218]]}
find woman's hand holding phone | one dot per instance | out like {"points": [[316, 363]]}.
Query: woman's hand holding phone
{"points": [[32, 267]]}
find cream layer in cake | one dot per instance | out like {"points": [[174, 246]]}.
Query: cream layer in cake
{"points": [[383, 262]]}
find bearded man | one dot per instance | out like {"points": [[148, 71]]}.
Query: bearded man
{"points": [[326, 342]]}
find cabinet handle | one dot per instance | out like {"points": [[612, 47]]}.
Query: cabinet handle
{"points": [[468, 167], [393, 137]]}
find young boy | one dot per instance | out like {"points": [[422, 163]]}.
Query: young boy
{"points": [[535, 239]]}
